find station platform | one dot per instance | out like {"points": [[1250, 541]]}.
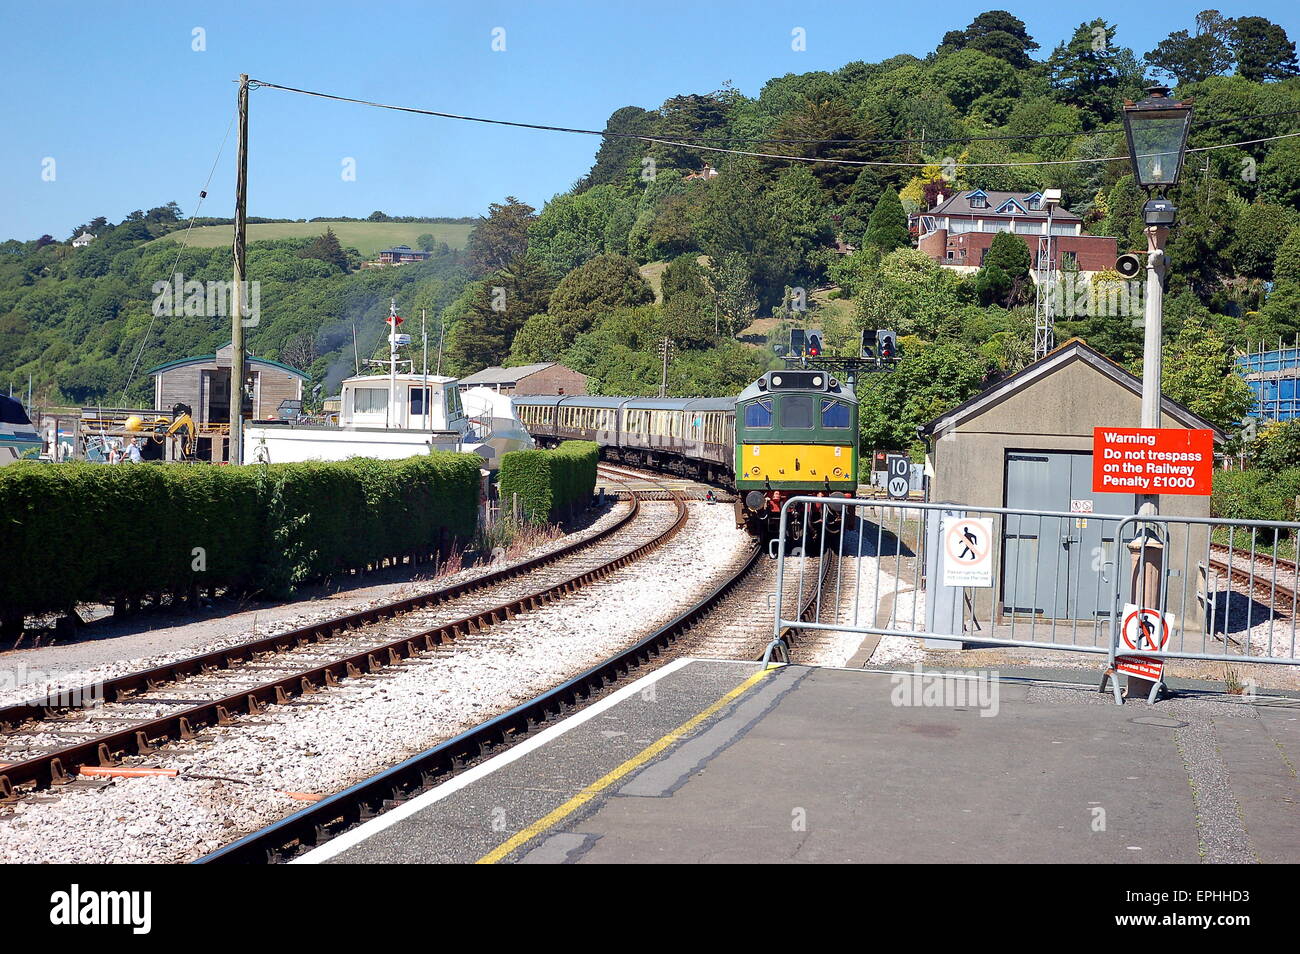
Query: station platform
{"points": [[709, 761]]}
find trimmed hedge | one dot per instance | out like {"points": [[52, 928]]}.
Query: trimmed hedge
{"points": [[549, 483], [1255, 494], [81, 532]]}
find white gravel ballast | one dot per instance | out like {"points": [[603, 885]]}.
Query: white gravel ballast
{"points": [[238, 778]]}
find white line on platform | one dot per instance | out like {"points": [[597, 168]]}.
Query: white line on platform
{"points": [[366, 830]]}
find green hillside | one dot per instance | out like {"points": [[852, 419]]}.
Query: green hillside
{"points": [[366, 237]]}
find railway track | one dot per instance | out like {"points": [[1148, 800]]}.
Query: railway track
{"points": [[1272, 580], [47, 742], [330, 817], [702, 625]]}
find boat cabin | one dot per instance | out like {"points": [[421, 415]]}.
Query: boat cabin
{"points": [[403, 401]]}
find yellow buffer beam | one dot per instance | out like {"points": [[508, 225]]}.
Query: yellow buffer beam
{"points": [[796, 462]]}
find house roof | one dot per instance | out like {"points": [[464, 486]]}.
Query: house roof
{"points": [[1076, 349], [959, 204], [403, 250], [211, 358], [506, 375]]}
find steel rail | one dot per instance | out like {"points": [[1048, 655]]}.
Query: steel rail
{"points": [[331, 816], [119, 688], [58, 766]]}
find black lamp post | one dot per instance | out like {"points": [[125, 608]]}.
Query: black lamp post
{"points": [[1156, 128]]}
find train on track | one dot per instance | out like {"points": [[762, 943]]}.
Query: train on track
{"points": [[793, 431]]}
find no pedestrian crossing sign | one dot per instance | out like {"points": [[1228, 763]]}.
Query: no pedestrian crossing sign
{"points": [[968, 551], [1142, 629], [1152, 460]]}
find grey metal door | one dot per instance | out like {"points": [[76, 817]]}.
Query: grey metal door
{"points": [[1058, 567]]}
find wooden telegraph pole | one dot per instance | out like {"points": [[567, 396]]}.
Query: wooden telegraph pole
{"points": [[237, 293]]}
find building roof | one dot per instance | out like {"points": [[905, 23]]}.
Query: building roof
{"points": [[1076, 349], [403, 250], [507, 375], [211, 359], [1008, 204]]}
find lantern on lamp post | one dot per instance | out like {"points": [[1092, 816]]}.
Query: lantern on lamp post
{"points": [[1156, 128]]}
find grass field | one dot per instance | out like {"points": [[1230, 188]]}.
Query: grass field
{"points": [[366, 237]]}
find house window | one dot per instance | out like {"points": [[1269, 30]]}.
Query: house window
{"points": [[370, 400], [1070, 260], [979, 202]]}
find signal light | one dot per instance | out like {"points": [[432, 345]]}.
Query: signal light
{"points": [[814, 343], [886, 344], [868, 347]]}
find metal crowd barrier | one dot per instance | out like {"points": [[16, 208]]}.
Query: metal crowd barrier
{"points": [[1133, 590]]}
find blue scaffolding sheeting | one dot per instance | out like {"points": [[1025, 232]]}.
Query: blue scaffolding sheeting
{"points": [[1274, 377]]}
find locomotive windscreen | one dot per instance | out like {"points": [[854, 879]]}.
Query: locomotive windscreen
{"points": [[797, 380]]}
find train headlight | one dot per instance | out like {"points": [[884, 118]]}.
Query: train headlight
{"points": [[776, 380], [754, 500]]}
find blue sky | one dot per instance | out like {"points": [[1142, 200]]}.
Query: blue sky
{"points": [[132, 115]]}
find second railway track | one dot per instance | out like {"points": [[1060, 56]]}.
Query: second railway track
{"points": [[48, 741]]}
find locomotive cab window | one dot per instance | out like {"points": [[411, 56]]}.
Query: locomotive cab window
{"points": [[797, 410], [834, 413], [759, 413]]}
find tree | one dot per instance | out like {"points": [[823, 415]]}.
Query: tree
{"points": [[489, 313], [995, 33], [688, 302], [969, 75], [426, 241], [1085, 72], [1279, 174], [619, 157], [539, 339], [300, 350], [1124, 214], [1264, 52], [595, 288], [500, 236], [1257, 238], [887, 228], [1190, 59], [377, 217], [1286, 266], [910, 294], [931, 380], [1199, 372], [326, 248], [1010, 253], [736, 298]]}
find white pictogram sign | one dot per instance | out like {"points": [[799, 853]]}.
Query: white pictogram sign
{"points": [[1142, 631], [968, 551]]}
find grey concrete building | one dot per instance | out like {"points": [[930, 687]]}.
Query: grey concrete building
{"points": [[1026, 443], [547, 377]]}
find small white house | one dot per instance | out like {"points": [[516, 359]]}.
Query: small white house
{"points": [[82, 240]]}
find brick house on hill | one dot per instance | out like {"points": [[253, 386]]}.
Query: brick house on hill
{"points": [[958, 231]]}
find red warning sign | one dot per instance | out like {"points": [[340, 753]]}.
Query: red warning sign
{"points": [[1152, 460]]}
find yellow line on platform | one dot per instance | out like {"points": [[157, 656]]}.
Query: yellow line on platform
{"points": [[596, 787]]}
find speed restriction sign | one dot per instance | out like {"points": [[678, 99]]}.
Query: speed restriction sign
{"points": [[899, 470]]}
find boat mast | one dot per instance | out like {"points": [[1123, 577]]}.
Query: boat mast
{"points": [[392, 417]]}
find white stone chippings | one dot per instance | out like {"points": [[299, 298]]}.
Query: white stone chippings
{"points": [[329, 608], [346, 734]]}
